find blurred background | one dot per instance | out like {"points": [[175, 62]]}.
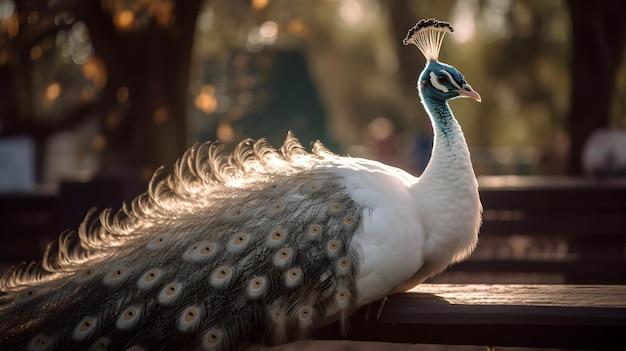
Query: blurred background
{"points": [[120, 87]]}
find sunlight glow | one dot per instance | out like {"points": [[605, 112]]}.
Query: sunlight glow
{"points": [[261, 36], [350, 11], [124, 20], [53, 91], [259, 4], [13, 26], [465, 27], [9, 21], [95, 71], [269, 29], [205, 100], [464, 16], [380, 128], [35, 52], [78, 45], [297, 27], [7, 9], [225, 132], [205, 21]]}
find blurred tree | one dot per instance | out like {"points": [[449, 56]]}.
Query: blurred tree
{"points": [[599, 40], [124, 62]]}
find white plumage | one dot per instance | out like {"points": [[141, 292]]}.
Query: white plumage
{"points": [[256, 246]]}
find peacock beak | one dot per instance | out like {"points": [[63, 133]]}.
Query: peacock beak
{"points": [[467, 91]]}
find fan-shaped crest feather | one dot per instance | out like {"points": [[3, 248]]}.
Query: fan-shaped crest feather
{"points": [[204, 174], [428, 35]]}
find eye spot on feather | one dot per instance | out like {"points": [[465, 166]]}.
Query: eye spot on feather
{"points": [[305, 314], [26, 295], [190, 318], [257, 287], [128, 318], [170, 293], [277, 315], [311, 187], [234, 214], [84, 276], [40, 342], [342, 297], [293, 277], [343, 266], [314, 232], [102, 344], [207, 249], [156, 243], [200, 251], [84, 328], [238, 242], [332, 248], [348, 221], [115, 277], [221, 277], [212, 339], [276, 237], [335, 208], [272, 189], [283, 257], [149, 279], [276, 208]]}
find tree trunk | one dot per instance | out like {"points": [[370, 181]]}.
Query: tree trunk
{"points": [[146, 129]]}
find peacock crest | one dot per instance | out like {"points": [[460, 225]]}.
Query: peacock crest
{"points": [[428, 35], [203, 176]]}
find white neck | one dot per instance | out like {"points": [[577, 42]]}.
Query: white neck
{"points": [[447, 196], [450, 160]]}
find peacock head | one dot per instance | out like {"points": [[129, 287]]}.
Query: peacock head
{"points": [[438, 81], [442, 82]]}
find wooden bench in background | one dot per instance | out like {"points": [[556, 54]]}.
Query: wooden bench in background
{"points": [[586, 217], [30, 220]]}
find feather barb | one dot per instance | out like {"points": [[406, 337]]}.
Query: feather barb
{"points": [[428, 35]]}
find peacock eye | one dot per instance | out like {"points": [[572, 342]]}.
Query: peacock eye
{"points": [[442, 79]]}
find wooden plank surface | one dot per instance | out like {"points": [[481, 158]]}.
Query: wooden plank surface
{"points": [[554, 316], [612, 296], [514, 182]]}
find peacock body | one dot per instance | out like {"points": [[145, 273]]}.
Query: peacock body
{"points": [[256, 246]]}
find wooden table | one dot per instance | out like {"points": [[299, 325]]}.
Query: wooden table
{"points": [[551, 316]]}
